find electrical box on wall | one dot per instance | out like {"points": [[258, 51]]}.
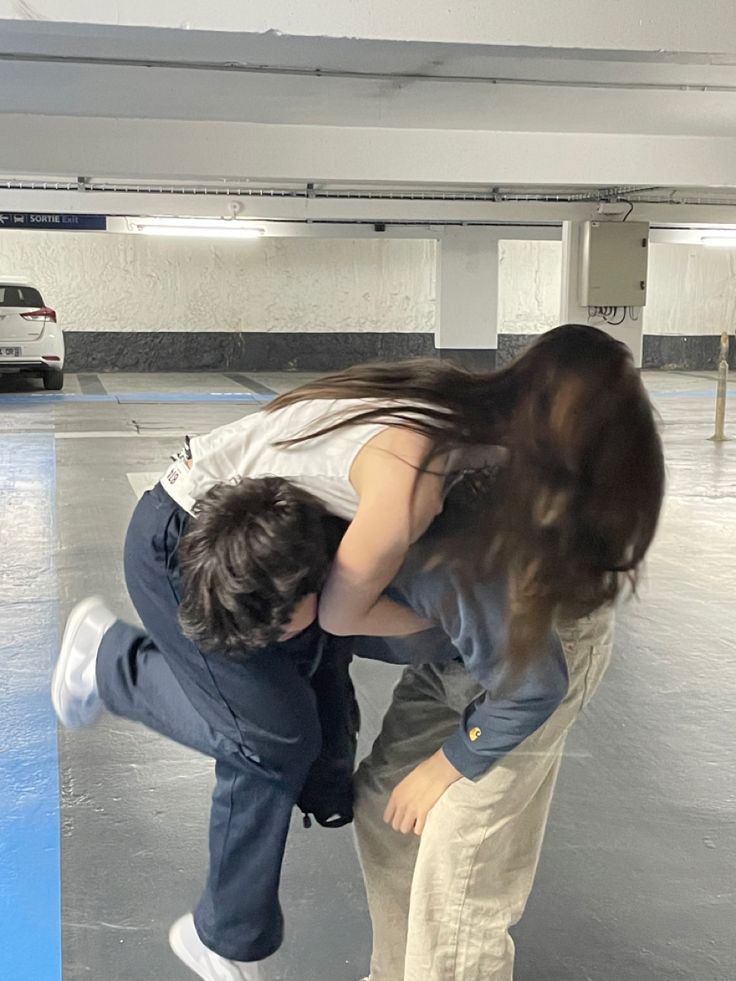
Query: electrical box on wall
{"points": [[614, 258]]}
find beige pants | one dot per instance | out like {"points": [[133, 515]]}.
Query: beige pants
{"points": [[442, 905]]}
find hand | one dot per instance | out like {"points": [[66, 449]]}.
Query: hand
{"points": [[416, 795]]}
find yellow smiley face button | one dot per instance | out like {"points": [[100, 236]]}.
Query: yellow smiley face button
{"points": [[474, 734]]}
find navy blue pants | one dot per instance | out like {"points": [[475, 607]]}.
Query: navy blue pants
{"points": [[256, 716]]}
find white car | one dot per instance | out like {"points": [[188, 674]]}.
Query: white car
{"points": [[30, 339]]}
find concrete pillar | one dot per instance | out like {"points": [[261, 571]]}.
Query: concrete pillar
{"points": [[630, 331], [467, 296]]}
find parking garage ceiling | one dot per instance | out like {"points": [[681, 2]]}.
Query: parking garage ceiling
{"points": [[175, 97]]}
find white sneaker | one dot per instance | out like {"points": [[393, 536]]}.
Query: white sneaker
{"points": [[74, 685], [184, 941]]}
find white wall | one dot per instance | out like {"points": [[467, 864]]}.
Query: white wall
{"points": [[528, 286], [692, 289], [130, 282], [134, 282]]}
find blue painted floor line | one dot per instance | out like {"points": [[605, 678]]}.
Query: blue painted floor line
{"points": [[127, 398], [30, 882], [140, 398]]}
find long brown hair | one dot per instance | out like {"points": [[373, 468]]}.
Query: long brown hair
{"points": [[575, 506]]}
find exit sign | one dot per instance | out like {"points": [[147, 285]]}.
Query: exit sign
{"points": [[50, 223]]}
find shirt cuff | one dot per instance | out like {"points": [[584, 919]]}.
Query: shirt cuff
{"points": [[471, 765]]}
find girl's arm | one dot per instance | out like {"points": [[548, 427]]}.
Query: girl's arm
{"points": [[398, 501]]}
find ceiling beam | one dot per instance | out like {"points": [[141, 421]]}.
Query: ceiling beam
{"points": [[708, 26], [160, 149]]}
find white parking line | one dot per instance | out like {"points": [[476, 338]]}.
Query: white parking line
{"points": [[124, 434], [141, 482]]}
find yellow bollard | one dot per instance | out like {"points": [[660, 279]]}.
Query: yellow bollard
{"points": [[719, 436]]}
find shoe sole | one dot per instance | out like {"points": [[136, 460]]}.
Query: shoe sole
{"points": [[76, 618]]}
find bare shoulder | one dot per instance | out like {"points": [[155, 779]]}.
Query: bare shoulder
{"points": [[394, 454], [397, 468], [407, 444]]}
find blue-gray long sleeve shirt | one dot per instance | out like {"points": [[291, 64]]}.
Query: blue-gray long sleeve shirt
{"points": [[471, 615]]}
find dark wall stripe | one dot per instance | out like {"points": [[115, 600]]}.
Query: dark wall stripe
{"points": [[256, 351], [264, 351], [682, 351], [674, 352], [471, 358]]}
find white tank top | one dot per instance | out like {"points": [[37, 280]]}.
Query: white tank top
{"points": [[248, 448]]}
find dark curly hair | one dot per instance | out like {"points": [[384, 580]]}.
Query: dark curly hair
{"points": [[252, 550]]}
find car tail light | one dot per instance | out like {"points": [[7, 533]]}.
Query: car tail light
{"points": [[51, 357], [45, 313]]}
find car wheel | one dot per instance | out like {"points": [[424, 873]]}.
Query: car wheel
{"points": [[53, 381]]}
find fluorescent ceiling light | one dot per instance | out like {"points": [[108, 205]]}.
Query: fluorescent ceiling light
{"points": [[178, 232], [198, 228], [725, 241]]}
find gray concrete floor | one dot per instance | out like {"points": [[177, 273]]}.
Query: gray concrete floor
{"points": [[638, 872]]}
